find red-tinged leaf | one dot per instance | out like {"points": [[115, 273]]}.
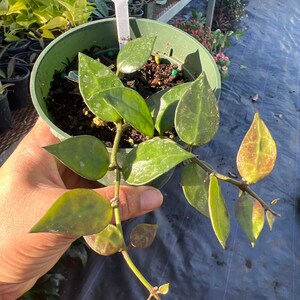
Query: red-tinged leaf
{"points": [[143, 235], [107, 242], [257, 154], [250, 215]]}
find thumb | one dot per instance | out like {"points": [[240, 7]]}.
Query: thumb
{"points": [[134, 201]]}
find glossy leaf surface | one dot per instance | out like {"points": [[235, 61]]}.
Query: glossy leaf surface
{"points": [[168, 103], [257, 154], [95, 77], [143, 235], [132, 107], [135, 54], [197, 113], [151, 159], [153, 102], [195, 184], [250, 215], [78, 212], [106, 242], [85, 155], [218, 211]]}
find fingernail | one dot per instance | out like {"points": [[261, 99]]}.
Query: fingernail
{"points": [[151, 199]]}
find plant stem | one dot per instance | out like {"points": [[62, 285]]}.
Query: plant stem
{"points": [[242, 185], [116, 208]]}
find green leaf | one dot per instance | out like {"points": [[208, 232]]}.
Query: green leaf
{"points": [[195, 184], [132, 107], [135, 54], [270, 219], [151, 159], [218, 211], [78, 212], [142, 236], [250, 215], [94, 77], [153, 102], [257, 154], [164, 120], [85, 155], [197, 113], [106, 242]]}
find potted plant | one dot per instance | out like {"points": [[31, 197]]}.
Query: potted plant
{"points": [[5, 113], [183, 107], [18, 77], [103, 9], [26, 58]]}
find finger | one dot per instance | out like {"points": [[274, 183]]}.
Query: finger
{"points": [[134, 201]]}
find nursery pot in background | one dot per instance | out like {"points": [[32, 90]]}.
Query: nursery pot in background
{"points": [[171, 43], [5, 114], [149, 9], [18, 94]]}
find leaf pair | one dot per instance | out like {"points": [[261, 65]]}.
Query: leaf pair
{"points": [[204, 193], [104, 93], [190, 107]]}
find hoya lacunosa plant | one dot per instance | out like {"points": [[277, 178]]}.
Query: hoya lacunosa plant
{"points": [[191, 110]]}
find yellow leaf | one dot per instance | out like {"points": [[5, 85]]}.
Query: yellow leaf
{"points": [[56, 22], [257, 154]]}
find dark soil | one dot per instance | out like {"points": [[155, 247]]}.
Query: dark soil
{"points": [[70, 113]]}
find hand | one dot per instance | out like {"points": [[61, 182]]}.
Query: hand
{"points": [[31, 180]]}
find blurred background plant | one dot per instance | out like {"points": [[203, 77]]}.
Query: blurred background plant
{"points": [[23, 17], [227, 15]]}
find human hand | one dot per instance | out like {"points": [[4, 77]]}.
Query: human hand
{"points": [[31, 180]]}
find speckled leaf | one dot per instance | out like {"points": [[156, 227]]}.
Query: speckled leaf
{"points": [[135, 54], [195, 184], [132, 107], [270, 219], [106, 242], [78, 212], [95, 77], [151, 159], [250, 215], [197, 113], [218, 211], [143, 235], [153, 102], [84, 154], [168, 102], [257, 154]]}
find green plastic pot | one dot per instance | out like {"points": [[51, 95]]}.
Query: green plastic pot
{"points": [[171, 44]]}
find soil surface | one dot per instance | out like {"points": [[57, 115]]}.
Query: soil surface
{"points": [[70, 113]]}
